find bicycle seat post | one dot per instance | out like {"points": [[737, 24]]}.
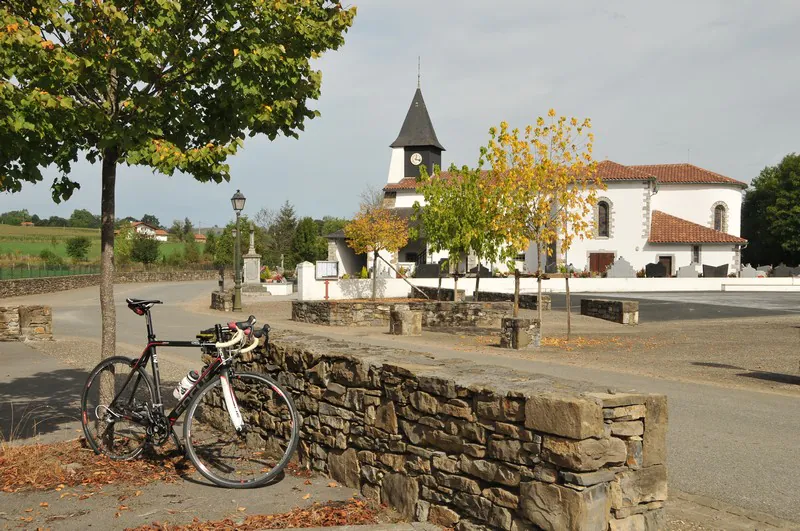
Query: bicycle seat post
{"points": [[151, 335]]}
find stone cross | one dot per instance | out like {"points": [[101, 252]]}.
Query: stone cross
{"points": [[252, 249]]}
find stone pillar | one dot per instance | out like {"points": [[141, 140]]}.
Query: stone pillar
{"points": [[35, 323], [405, 322], [518, 333], [305, 281], [332, 251], [252, 262], [9, 323]]}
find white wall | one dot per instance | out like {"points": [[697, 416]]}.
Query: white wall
{"points": [[396, 166], [694, 203], [347, 258], [407, 198]]}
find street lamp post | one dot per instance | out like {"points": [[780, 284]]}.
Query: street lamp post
{"points": [[237, 201]]}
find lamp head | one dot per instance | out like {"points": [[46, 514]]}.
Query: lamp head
{"points": [[237, 201]]}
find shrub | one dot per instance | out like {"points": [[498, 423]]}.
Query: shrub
{"points": [[145, 250], [266, 274], [78, 247], [364, 272], [51, 259]]}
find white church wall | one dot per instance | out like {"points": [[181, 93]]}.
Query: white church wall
{"points": [[695, 203], [407, 199], [396, 166]]}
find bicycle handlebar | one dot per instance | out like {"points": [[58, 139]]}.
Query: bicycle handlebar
{"points": [[237, 338], [249, 347]]}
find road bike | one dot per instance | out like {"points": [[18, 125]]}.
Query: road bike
{"points": [[241, 428]]}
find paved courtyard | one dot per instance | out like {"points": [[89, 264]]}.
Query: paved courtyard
{"points": [[733, 442]]}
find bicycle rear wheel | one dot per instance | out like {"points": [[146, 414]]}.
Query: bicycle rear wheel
{"points": [[117, 430], [256, 455]]}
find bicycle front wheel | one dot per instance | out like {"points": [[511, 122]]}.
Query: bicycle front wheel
{"points": [[114, 408], [254, 455]]}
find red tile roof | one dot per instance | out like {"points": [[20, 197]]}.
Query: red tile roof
{"points": [[685, 173], [161, 232], [609, 170], [670, 229], [407, 183]]}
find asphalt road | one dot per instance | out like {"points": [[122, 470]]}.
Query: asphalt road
{"points": [[738, 446], [678, 306]]}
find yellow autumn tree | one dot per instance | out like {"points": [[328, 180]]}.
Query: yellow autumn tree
{"points": [[546, 181], [376, 229]]}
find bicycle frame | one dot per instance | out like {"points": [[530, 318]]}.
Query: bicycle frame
{"points": [[150, 354]]}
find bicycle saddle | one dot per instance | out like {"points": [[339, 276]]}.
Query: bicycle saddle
{"points": [[140, 306]]}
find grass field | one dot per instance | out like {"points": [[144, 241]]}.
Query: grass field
{"points": [[31, 241]]}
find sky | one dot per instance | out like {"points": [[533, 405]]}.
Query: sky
{"points": [[712, 82]]}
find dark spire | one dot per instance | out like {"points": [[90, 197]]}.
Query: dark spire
{"points": [[417, 128]]}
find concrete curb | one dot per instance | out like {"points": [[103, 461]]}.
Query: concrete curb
{"points": [[720, 515]]}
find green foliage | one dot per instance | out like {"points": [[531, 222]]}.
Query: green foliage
{"points": [[53, 221], [150, 219], [191, 252], [123, 243], [223, 252], [307, 245], [78, 247], [82, 218], [771, 217], [145, 250], [14, 217], [281, 235], [51, 259], [266, 274], [188, 230], [364, 273], [211, 244]]}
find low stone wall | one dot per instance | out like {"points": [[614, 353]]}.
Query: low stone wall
{"points": [[35, 286], [474, 447], [435, 314], [26, 323], [443, 294], [222, 300], [623, 312], [526, 300]]}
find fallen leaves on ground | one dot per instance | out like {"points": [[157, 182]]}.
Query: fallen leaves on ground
{"points": [[614, 343], [351, 512], [68, 464]]}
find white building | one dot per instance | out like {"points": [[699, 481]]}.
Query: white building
{"points": [[149, 231], [674, 214]]}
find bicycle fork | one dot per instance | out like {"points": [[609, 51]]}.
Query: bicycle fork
{"points": [[230, 401]]}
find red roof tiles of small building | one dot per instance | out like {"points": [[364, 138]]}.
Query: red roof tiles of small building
{"points": [[406, 183], [609, 170], [670, 229], [685, 173], [161, 232]]}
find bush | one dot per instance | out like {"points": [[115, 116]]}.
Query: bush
{"points": [[78, 247], [51, 259], [266, 274], [145, 250], [364, 272]]}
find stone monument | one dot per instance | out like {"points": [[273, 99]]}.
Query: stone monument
{"points": [[621, 269], [252, 262]]}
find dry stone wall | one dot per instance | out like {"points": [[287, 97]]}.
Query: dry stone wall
{"points": [[34, 286], [435, 314], [527, 301], [623, 312], [26, 323], [474, 447], [441, 294]]}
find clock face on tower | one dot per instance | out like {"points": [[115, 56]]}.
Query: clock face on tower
{"points": [[416, 159]]}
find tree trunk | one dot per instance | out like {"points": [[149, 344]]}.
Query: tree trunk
{"points": [[455, 287], [476, 295], [569, 307], [374, 274], [107, 308], [539, 284], [516, 292]]}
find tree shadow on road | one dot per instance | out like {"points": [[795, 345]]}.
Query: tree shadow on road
{"points": [[41, 403], [758, 375]]}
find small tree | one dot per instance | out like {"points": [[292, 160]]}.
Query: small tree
{"points": [[151, 220], [374, 230], [306, 244], [78, 248], [281, 233], [211, 244], [123, 243], [145, 250], [545, 187]]}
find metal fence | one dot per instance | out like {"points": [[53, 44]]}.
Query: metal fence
{"points": [[43, 271]]}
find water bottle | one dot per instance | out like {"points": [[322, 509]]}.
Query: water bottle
{"points": [[184, 385]]}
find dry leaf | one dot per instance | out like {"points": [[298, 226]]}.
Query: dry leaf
{"points": [[307, 496], [240, 509], [29, 510], [333, 484], [44, 504], [307, 482]]}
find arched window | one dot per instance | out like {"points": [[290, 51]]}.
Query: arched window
{"points": [[719, 217], [602, 219]]}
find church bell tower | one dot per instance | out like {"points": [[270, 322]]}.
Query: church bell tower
{"points": [[416, 145]]}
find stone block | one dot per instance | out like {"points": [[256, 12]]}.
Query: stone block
{"points": [[501, 497], [583, 456], [633, 487], [443, 516], [500, 408], [490, 471], [405, 323], [628, 428], [625, 412], [587, 479], [401, 492], [557, 508], [345, 468], [35, 323], [568, 416], [654, 441], [506, 450], [386, 418], [519, 333], [632, 523]]}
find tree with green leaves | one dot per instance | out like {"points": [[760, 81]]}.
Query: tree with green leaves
{"points": [[224, 244], [78, 248], [211, 244], [175, 86], [145, 250], [151, 220], [176, 230], [123, 243], [770, 216], [82, 218], [15, 217], [282, 235], [306, 242], [188, 230]]}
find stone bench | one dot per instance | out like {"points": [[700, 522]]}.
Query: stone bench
{"points": [[26, 323], [527, 301], [617, 311], [469, 446]]}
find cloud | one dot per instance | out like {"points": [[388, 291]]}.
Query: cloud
{"points": [[713, 81]]}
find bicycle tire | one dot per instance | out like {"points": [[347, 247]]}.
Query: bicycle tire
{"points": [[272, 431], [129, 442]]}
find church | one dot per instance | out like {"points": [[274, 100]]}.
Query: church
{"points": [[675, 215]]}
